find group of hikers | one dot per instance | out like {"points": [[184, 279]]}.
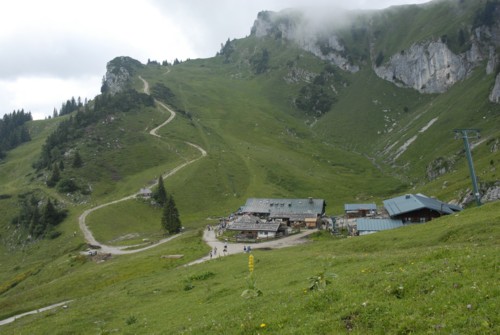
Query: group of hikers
{"points": [[213, 252]]}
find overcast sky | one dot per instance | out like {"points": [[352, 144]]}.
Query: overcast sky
{"points": [[51, 50]]}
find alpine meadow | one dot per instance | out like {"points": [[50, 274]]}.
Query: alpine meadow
{"points": [[107, 207]]}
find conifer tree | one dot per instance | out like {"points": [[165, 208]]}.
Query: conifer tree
{"points": [[36, 227], [170, 220], [77, 160], [104, 85], [54, 178], [161, 194], [49, 215]]}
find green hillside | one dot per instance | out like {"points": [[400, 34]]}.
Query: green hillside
{"points": [[275, 121], [441, 276]]}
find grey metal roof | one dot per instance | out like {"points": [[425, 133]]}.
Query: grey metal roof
{"points": [[254, 226], [412, 202], [377, 224], [247, 219], [283, 207], [357, 207]]}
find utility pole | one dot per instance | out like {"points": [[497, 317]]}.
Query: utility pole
{"points": [[465, 134]]}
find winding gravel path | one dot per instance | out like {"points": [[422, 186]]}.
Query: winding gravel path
{"points": [[237, 248], [36, 311], [103, 248]]}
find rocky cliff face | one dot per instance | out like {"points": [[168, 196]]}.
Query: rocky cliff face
{"points": [[431, 67], [428, 67], [118, 74], [299, 28], [495, 93]]}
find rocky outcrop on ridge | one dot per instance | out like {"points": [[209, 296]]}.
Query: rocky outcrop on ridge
{"points": [[428, 67], [118, 74], [308, 34], [495, 93]]}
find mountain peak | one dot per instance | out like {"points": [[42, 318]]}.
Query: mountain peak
{"points": [[118, 73]]}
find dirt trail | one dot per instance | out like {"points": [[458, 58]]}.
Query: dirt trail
{"points": [[40, 310], [237, 248], [208, 237], [103, 248]]}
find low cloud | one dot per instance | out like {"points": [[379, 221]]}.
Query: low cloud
{"points": [[51, 48]]}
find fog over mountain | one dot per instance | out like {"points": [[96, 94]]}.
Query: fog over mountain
{"points": [[55, 49]]}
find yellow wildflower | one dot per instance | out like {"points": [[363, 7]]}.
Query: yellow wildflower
{"points": [[250, 263], [262, 325]]}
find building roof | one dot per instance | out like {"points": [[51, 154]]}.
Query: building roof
{"points": [[145, 191], [247, 219], [360, 207], [294, 217], [412, 202], [254, 226], [283, 207], [377, 224]]}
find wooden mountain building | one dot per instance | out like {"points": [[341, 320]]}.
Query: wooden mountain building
{"points": [[415, 208], [289, 211]]}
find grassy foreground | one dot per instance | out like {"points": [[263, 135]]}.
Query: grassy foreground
{"points": [[441, 277]]}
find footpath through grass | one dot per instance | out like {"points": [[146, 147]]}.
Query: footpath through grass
{"points": [[137, 221], [438, 277]]}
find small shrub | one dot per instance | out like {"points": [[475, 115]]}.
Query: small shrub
{"points": [[202, 276], [398, 291], [54, 234], [67, 186], [78, 259], [131, 320], [320, 281]]}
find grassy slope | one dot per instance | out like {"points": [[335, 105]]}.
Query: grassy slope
{"points": [[259, 145], [137, 221], [398, 28], [380, 106], [436, 277]]}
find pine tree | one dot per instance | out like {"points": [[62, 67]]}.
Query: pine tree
{"points": [[36, 227], [77, 160], [55, 177], [170, 220], [49, 215], [161, 194], [104, 85]]}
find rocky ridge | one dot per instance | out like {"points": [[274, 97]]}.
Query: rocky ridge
{"points": [[119, 71], [431, 67], [299, 28], [428, 66]]}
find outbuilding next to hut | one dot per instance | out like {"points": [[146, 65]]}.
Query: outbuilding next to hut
{"points": [[253, 231], [359, 210], [416, 208], [370, 226], [145, 193]]}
